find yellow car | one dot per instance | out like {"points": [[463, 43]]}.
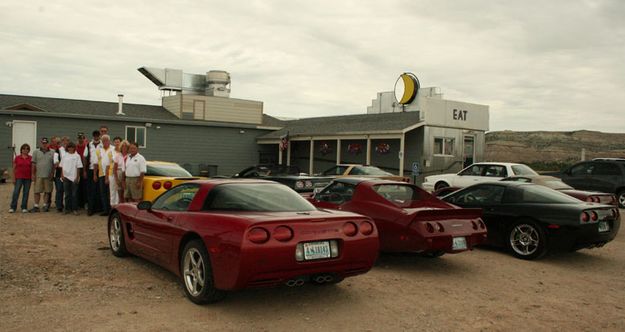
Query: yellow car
{"points": [[162, 176], [362, 171]]}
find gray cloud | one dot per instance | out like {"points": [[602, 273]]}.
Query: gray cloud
{"points": [[554, 65]]}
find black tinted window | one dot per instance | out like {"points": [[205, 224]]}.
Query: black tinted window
{"points": [[496, 171], [581, 169], [605, 169], [264, 197], [337, 170]]}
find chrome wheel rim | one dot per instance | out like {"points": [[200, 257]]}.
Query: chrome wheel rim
{"points": [[115, 234], [524, 239], [193, 271]]}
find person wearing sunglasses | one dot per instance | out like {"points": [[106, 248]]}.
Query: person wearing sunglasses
{"points": [[22, 173]]}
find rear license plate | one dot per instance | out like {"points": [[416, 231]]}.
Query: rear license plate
{"points": [[603, 226], [316, 250], [459, 243]]}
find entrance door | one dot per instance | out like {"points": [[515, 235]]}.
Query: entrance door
{"points": [[469, 151], [24, 132]]}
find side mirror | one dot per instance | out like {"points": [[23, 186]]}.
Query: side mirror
{"points": [[144, 205]]}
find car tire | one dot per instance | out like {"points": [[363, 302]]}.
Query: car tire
{"points": [[197, 275], [117, 242], [440, 185], [526, 239], [620, 197], [432, 254]]}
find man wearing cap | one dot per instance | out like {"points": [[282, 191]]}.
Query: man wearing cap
{"points": [[43, 173]]}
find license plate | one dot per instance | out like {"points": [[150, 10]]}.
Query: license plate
{"points": [[316, 250], [459, 243], [604, 226]]}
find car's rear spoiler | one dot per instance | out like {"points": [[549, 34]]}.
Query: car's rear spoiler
{"points": [[443, 214]]}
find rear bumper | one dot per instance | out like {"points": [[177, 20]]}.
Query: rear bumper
{"points": [[267, 266], [445, 242], [586, 236]]}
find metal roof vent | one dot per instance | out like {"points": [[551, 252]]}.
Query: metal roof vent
{"points": [[120, 105]]}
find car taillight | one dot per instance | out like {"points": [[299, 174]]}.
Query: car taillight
{"points": [[614, 213], [308, 184], [366, 228], [299, 184], [439, 227], [590, 199], [482, 226], [156, 185], [474, 224], [167, 185], [258, 235], [584, 217], [429, 227], [594, 216], [282, 233], [350, 229]]}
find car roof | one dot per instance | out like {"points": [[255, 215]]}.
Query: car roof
{"points": [[357, 180], [230, 180], [496, 163]]}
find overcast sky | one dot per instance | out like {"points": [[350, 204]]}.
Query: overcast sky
{"points": [[540, 65]]}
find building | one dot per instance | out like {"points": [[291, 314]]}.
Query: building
{"points": [[200, 127]]}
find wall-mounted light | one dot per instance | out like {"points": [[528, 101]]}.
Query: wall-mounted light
{"points": [[158, 127], [241, 131], [148, 124], [9, 124]]}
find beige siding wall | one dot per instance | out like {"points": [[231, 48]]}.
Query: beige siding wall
{"points": [[172, 104], [222, 109]]}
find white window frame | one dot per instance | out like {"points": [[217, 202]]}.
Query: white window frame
{"points": [[145, 135], [444, 139]]}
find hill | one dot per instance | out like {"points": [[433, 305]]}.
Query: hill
{"points": [[552, 150]]}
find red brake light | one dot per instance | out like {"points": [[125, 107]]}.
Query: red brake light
{"points": [[156, 185], [258, 235], [440, 227], [474, 224], [350, 229], [594, 216], [282, 233], [589, 199], [482, 226], [429, 227], [366, 228], [167, 185], [584, 217], [614, 213]]}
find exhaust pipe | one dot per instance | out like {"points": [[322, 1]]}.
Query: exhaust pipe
{"points": [[323, 278], [295, 282]]}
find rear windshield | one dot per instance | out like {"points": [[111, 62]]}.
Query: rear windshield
{"points": [[368, 170], [262, 197], [172, 170], [401, 195], [537, 194], [522, 170], [556, 184]]}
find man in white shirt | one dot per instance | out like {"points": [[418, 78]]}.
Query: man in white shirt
{"points": [[134, 171], [108, 162], [70, 164], [99, 170], [93, 190]]}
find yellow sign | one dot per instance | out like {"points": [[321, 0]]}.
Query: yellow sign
{"points": [[406, 88]]}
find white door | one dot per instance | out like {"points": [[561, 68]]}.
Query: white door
{"points": [[24, 132]]}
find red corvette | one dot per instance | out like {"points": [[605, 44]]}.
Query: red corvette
{"points": [[225, 234], [408, 218]]}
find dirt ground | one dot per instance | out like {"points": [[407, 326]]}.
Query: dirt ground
{"points": [[57, 274]]}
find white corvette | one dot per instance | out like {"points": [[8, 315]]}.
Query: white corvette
{"points": [[476, 173]]}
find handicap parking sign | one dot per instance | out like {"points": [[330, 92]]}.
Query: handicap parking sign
{"points": [[415, 168]]}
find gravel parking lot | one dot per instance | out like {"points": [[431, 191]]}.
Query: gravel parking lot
{"points": [[56, 273]]}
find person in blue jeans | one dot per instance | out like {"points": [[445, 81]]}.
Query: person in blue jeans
{"points": [[22, 173], [58, 181]]}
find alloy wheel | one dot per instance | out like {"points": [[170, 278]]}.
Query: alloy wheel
{"points": [[193, 272], [115, 234], [524, 239]]}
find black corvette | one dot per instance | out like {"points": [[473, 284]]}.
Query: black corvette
{"points": [[531, 220], [287, 175]]}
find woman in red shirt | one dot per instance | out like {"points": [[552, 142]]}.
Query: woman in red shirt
{"points": [[22, 173]]}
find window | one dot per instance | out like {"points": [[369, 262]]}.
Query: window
{"points": [[265, 197], [401, 195], [496, 171], [336, 170], [522, 170], [444, 146], [368, 170], [337, 193], [176, 199], [581, 169], [473, 170], [537, 194], [136, 134], [480, 195], [605, 169]]}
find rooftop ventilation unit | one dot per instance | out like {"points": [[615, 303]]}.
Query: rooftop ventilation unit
{"points": [[213, 83]]}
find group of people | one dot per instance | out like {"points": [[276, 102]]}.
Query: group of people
{"points": [[95, 174]]}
